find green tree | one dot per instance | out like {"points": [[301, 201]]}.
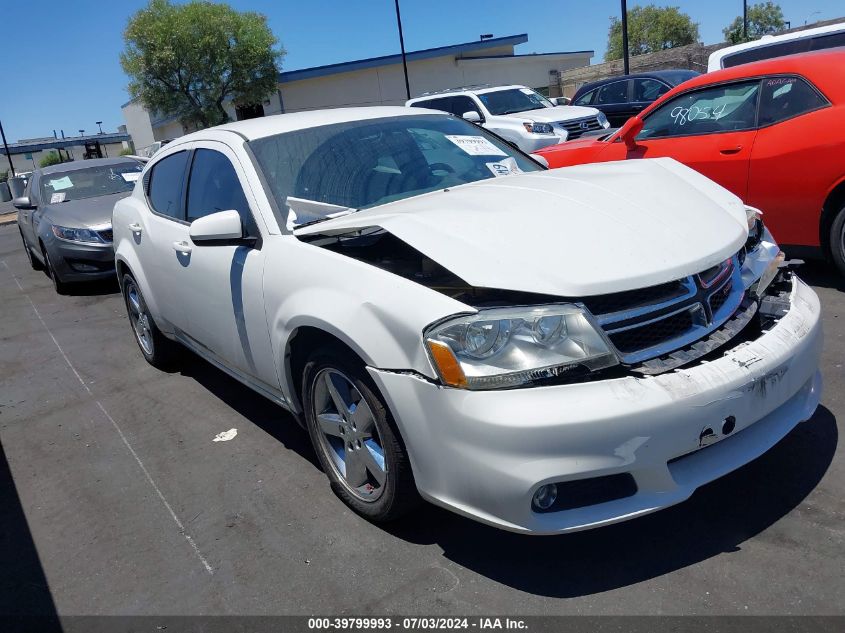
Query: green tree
{"points": [[52, 158], [186, 60], [650, 29], [763, 19], [126, 152]]}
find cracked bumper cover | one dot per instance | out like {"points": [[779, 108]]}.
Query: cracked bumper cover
{"points": [[484, 454]]}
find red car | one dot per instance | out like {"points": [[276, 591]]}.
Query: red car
{"points": [[772, 132]]}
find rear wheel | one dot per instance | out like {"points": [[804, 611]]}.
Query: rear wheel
{"points": [[355, 437], [36, 265], [837, 241], [158, 350], [60, 286]]}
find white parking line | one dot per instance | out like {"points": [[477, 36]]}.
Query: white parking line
{"points": [[152, 482]]}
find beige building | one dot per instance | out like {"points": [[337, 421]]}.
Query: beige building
{"points": [[381, 81]]}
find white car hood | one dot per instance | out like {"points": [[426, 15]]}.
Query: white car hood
{"points": [[573, 232], [550, 115]]}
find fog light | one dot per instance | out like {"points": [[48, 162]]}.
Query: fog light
{"points": [[545, 497]]}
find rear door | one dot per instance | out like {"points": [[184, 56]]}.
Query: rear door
{"points": [[163, 234], [613, 99], [711, 129], [646, 91]]}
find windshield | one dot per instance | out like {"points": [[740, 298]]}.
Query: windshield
{"points": [[513, 100], [89, 182], [323, 171]]}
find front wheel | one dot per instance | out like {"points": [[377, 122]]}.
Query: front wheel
{"points": [[837, 241], [158, 350], [60, 286], [33, 262], [355, 437]]}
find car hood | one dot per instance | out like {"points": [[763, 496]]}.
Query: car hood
{"points": [[84, 213], [574, 232], [558, 113]]}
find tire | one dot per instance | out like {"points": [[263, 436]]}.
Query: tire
{"points": [[33, 262], [370, 432], [837, 241], [158, 350], [60, 286]]}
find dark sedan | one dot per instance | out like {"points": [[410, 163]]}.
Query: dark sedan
{"points": [[620, 98], [65, 213]]}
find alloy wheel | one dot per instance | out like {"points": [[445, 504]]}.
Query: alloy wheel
{"points": [[139, 317], [348, 435]]}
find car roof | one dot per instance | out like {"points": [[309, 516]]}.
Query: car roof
{"points": [[84, 164], [672, 76], [714, 62], [478, 90], [825, 69], [262, 127]]}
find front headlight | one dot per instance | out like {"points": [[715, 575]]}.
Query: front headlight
{"points": [[539, 128], [77, 235], [508, 347], [601, 117]]}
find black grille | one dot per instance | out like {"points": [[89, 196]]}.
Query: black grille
{"points": [[576, 127], [652, 334], [106, 235], [718, 299], [632, 299], [655, 321]]}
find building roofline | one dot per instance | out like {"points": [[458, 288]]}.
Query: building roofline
{"points": [[70, 141], [558, 53], [385, 60]]}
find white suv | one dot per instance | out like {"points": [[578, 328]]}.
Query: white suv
{"points": [[541, 350], [517, 114]]}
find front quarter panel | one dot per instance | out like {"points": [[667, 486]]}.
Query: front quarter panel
{"points": [[379, 315]]}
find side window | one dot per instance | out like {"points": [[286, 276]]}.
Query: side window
{"points": [[441, 104], [649, 89], [463, 104], [615, 92], [586, 98], [214, 186], [725, 108], [165, 188], [786, 97]]}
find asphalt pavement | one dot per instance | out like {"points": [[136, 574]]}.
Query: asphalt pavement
{"points": [[116, 500]]}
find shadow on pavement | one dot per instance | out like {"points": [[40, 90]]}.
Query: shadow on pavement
{"points": [[821, 273], [23, 586]]}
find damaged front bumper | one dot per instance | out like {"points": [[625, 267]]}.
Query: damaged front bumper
{"points": [[640, 444]]}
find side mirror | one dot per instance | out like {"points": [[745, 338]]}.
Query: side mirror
{"points": [[23, 203], [630, 130], [561, 101], [220, 227], [472, 116]]}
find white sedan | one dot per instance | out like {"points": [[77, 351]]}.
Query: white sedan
{"points": [[543, 351]]}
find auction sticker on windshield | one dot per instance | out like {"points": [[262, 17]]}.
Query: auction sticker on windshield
{"points": [[61, 183], [504, 167], [475, 145]]}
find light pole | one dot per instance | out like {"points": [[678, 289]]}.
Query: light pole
{"points": [[99, 125], [745, 19], [625, 64], [6, 147], [402, 45]]}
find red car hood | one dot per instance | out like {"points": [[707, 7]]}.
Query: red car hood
{"points": [[582, 150]]}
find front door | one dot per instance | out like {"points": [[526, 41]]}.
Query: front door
{"points": [[711, 130]]}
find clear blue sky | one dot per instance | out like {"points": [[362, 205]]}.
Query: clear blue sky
{"points": [[63, 54]]}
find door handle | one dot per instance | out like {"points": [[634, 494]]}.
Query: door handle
{"points": [[135, 227], [731, 150], [182, 247]]}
